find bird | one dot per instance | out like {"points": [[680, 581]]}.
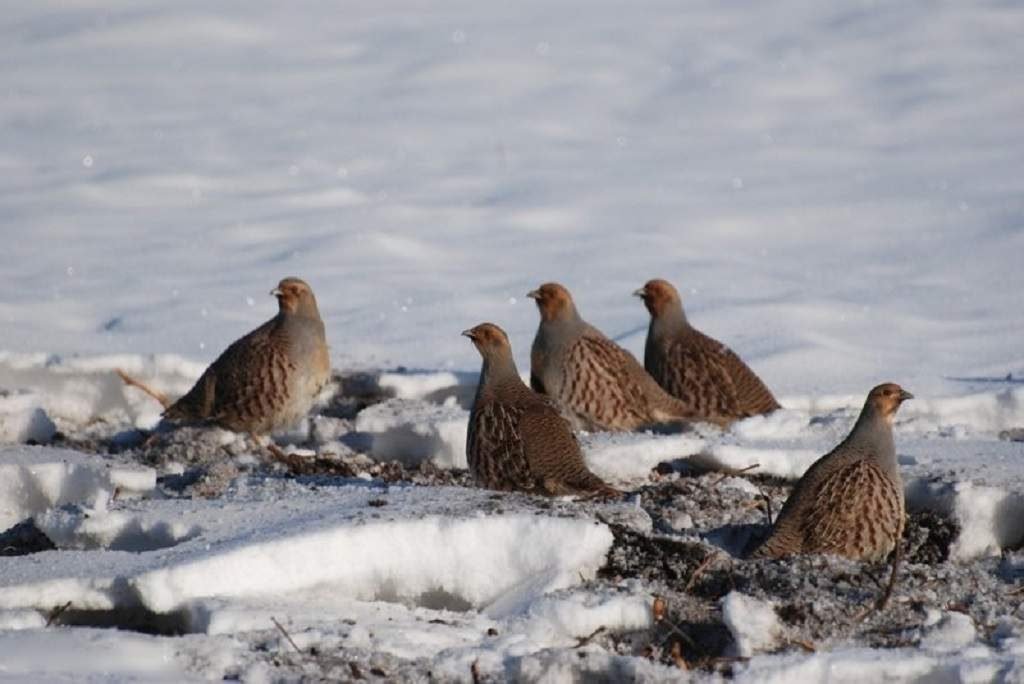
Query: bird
{"points": [[850, 501], [694, 367], [517, 440], [267, 380], [596, 383]]}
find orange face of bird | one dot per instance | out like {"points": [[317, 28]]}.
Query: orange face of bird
{"points": [[658, 295], [887, 397], [553, 301], [487, 337], [292, 293]]}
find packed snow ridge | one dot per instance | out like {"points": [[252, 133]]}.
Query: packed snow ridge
{"points": [[263, 542]]}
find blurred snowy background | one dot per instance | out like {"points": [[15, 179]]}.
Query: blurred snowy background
{"points": [[836, 188]]}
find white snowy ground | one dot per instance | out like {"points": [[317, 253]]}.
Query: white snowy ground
{"points": [[835, 188]]}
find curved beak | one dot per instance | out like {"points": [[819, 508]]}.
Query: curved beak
{"points": [[276, 292], [533, 294], [642, 292], [904, 395], [469, 334]]}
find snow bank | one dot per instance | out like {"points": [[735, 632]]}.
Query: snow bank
{"points": [[985, 413], [76, 391], [626, 459], [23, 419], [35, 479], [355, 540], [75, 527], [414, 431]]}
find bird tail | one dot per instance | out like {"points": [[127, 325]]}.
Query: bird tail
{"points": [[770, 547], [135, 382], [590, 486]]}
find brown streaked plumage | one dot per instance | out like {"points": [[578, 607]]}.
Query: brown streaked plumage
{"points": [[517, 440], [850, 502], [695, 368], [267, 380], [596, 383]]}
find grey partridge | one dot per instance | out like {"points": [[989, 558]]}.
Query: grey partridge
{"points": [[695, 368], [517, 440], [850, 501], [596, 383], [267, 380]]}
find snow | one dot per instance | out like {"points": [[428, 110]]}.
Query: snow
{"points": [[626, 459], [414, 431], [84, 655], [801, 189], [834, 188], [35, 479], [859, 665], [271, 537], [753, 624], [428, 385], [353, 552], [991, 518], [22, 419], [948, 631]]}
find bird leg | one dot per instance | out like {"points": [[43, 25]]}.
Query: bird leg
{"points": [[897, 556], [883, 600]]}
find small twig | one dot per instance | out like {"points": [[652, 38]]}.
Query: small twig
{"points": [[583, 641], [734, 473], [804, 644], [873, 577], [275, 451], [56, 613], [768, 505], [1017, 590], [659, 610], [474, 671], [286, 634], [677, 656], [704, 564], [134, 382], [724, 660]]}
